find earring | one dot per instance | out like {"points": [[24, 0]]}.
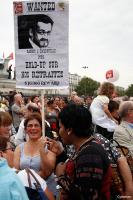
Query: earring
{"points": [[68, 133]]}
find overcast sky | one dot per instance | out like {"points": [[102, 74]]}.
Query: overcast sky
{"points": [[100, 37]]}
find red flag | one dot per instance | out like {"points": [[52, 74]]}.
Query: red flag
{"points": [[10, 56], [3, 55]]}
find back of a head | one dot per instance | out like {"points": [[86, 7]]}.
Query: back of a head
{"points": [[107, 89], [17, 97], [78, 100], [78, 118], [125, 98], [5, 119], [113, 105], [32, 107]]}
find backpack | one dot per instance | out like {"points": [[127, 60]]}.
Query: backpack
{"points": [[34, 194]]}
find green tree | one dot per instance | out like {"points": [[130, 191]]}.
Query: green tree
{"points": [[87, 86], [129, 91], [120, 91]]}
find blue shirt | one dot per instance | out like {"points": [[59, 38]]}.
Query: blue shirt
{"points": [[11, 187]]}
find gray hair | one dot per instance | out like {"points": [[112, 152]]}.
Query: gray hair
{"points": [[124, 108]]}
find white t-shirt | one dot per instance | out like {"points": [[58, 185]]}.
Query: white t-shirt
{"points": [[24, 178], [99, 117], [21, 135]]}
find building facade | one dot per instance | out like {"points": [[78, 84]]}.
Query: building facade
{"points": [[73, 81]]}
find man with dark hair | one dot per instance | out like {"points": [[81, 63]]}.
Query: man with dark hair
{"points": [[34, 31]]}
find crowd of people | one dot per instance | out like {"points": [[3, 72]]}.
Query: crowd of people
{"points": [[75, 159]]}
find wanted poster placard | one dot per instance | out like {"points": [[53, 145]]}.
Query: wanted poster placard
{"points": [[41, 44]]}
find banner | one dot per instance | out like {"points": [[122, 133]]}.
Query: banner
{"points": [[41, 44]]}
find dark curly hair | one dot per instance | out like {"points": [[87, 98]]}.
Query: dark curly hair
{"points": [[78, 118]]}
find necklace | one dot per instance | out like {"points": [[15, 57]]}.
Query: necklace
{"points": [[82, 146], [83, 143]]}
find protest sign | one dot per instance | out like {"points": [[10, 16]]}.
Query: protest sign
{"points": [[41, 44]]}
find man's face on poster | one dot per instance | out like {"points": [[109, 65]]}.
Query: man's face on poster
{"points": [[41, 35]]}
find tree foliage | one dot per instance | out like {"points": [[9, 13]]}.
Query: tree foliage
{"points": [[87, 86], [129, 91], [120, 91]]}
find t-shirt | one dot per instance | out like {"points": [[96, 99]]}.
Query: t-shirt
{"points": [[99, 117]]}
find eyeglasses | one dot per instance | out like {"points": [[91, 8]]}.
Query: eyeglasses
{"points": [[42, 32], [33, 125]]}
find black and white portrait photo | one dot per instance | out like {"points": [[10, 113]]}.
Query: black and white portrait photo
{"points": [[34, 31]]}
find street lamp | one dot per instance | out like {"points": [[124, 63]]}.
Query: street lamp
{"points": [[85, 67]]}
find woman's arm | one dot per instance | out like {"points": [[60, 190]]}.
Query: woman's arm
{"points": [[48, 159], [50, 155], [48, 162], [126, 175], [49, 194]]}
